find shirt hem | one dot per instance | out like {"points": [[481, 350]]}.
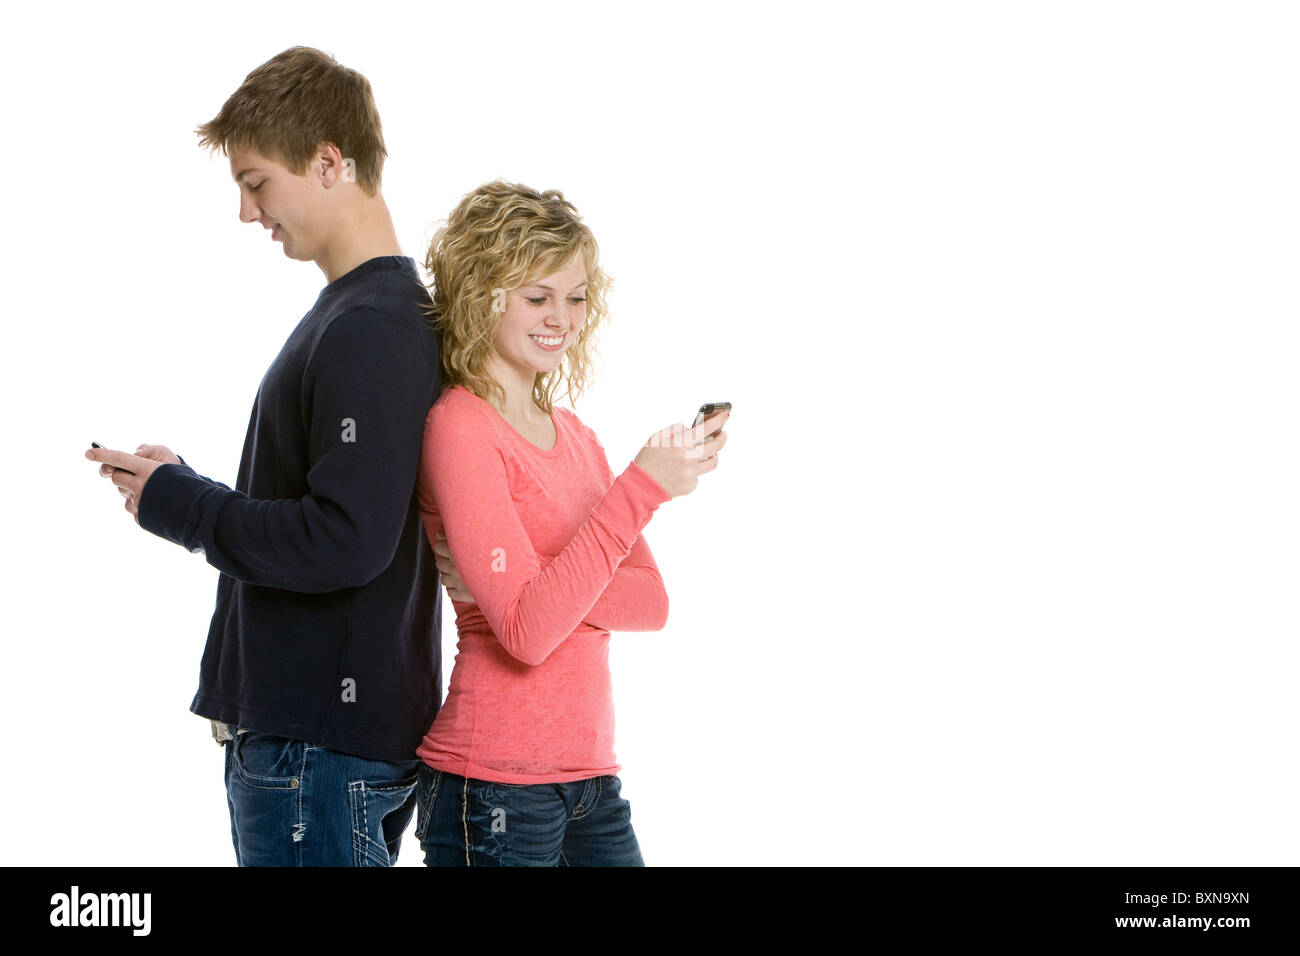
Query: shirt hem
{"points": [[465, 768], [358, 745]]}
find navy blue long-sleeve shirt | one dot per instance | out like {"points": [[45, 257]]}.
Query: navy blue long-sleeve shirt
{"points": [[327, 625]]}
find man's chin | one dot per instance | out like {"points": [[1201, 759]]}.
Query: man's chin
{"points": [[293, 251]]}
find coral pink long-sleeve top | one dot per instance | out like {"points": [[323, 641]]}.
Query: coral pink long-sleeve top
{"points": [[549, 545]]}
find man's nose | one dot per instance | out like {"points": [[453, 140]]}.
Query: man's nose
{"points": [[248, 211]]}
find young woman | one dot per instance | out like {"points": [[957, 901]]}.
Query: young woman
{"points": [[519, 766]]}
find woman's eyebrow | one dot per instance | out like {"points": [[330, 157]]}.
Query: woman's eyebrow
{"points": [[538, 285]]}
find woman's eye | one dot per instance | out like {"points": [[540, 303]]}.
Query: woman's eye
{"points": [[577, 300], [537, 301]]}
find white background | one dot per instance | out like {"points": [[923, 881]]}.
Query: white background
{"points": [[999, 564]]}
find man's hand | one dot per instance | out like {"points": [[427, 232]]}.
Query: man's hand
{"points": [[115, 465], [159, 453], [450, 578]]}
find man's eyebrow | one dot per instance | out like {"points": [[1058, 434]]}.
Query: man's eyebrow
{"points": [[245, 172], [538, 285]]}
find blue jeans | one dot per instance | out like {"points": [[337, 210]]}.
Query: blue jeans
{"points": [[468, 822], [295, 804]]}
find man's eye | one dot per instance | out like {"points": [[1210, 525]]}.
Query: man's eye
{"points": [[537, 301], [257, 187]]}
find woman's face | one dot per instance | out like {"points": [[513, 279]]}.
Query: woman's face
{"points": [[543, 318]]}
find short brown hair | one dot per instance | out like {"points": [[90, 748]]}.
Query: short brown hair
{"points": [[295, 101]]}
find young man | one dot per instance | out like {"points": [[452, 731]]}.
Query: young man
{"points": [[322, 670]]}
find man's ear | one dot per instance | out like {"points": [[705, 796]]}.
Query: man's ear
{"points": [[329, 165]]}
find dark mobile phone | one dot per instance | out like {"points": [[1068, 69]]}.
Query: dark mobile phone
{"points": [[95, 444], [708, 411]]}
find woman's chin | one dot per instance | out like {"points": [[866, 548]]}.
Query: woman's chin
{"points": [[543, 366]]}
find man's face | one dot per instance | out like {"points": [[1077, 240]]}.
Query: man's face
{"points": [[288, 205], [549, 310]]}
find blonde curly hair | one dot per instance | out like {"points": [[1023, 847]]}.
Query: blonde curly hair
{"points": [[499, 237]]}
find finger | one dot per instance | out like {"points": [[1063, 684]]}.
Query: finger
{"points": [[707, 464], [118, 459], [125, 480], [709, 426], [674, 436], [707, 448], [159, 453], [714, 444]]}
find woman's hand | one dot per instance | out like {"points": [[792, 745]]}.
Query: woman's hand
{"points": [[676, 456]]}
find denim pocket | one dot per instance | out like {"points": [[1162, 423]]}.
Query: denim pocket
{"points": [[268, 761], [371, 802], [426, 792], [512, 824]]}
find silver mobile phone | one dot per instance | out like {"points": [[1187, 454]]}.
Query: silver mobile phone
{"points": [[708, 411]]}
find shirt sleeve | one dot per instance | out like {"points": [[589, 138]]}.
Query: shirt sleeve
{"points": [[369, 368], [205, 477], [530, 608], [635, 599]]}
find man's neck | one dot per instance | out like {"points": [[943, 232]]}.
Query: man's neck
{"points": [[365, 234]]}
